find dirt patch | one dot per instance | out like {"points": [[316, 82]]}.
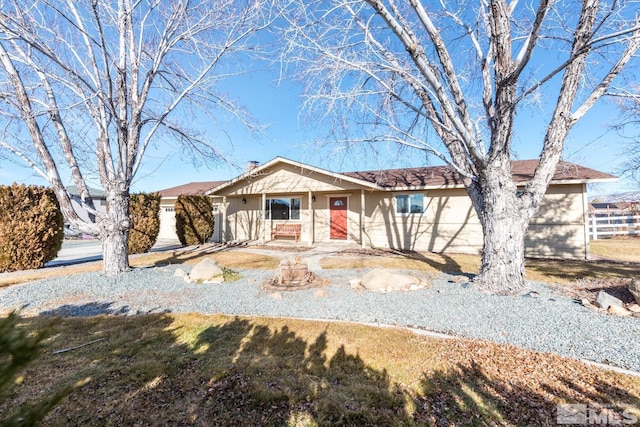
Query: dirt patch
{"points": [[282, 248], [589, 288], [374, 252], [317, 282]]}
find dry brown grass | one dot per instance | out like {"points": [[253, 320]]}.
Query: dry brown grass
{"points": [[216, 370], [620, 249], [621, 260], [230, 259], [423, 261], [545, 270]]}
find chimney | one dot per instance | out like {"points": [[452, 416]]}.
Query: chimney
{"points": [[252, 164]]}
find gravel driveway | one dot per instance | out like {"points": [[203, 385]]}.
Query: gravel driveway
{"points": [[543, 320]]}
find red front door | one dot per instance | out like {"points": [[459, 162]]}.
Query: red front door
{"points": [[338, 223]]}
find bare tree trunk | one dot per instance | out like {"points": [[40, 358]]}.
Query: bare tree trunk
{"points": [[504, 224], [115, 233]]}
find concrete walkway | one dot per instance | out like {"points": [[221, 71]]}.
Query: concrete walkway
{"points": [[312, 256], [80, 251]]}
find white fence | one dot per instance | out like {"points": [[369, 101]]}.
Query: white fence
{"points": [[607, 225]]}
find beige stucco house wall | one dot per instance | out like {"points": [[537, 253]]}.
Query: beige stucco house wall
{"points": [[448, 222]]}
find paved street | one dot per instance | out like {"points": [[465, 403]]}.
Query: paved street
{"points": [[77, 251]]}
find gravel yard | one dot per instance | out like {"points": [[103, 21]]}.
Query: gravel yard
{"points": [[543, 319]]}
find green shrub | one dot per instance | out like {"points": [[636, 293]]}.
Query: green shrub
{"points": [[144, 215], [194, 219], [31, 227]]}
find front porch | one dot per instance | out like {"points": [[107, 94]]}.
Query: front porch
{"points": [[294, 218]]}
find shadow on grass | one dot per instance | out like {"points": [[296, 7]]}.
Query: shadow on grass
{"points": [[184, 255], [569, 270], [165, 370]]}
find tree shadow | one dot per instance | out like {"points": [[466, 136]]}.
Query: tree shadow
{"points": [[194, 370], [468, 395], [184, 255], [278, 378], [86, 310]]}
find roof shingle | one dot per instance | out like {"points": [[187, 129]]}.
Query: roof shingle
{"points": [[190, 189], [444, 176]]}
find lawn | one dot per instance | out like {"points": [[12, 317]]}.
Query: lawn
{"points": [[218, 370], [622, 261], [228, 258], [622, 249]]}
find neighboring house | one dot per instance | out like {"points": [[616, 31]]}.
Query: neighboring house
{"points": [[167, 207], [423, 209], [99, 202], [605, 208]]}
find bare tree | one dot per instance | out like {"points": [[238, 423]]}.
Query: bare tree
{"points": [[628, 126], [449, 77], [91, 84]]}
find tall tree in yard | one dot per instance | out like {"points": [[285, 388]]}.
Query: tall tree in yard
{"points": [[449, 77], [88, 86], [629, 126]]}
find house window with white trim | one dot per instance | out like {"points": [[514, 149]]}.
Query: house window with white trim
{"points": [[283, 209], [409, 204]]}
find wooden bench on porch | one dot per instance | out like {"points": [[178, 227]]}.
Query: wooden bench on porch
{"points": [[293, 230]]}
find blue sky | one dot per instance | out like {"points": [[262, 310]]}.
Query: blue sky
{"points": [[291, 134]]}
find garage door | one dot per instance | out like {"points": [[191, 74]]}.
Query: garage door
{"points": [[167, 223]]}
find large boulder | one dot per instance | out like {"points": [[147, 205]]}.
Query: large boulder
{"points": [[604, 301], [379, 280], [205, 271], [634, 288]]}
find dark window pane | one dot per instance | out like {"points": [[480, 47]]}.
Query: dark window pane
{"points": [[295, 208], [402, 204]]}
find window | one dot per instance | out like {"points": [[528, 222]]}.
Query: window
{"points": [[283, 208], [409, 204]]}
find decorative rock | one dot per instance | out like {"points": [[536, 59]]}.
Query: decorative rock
{"points": [[588, 304], [379, 280], [634, 288], [634, 308], [180, 273], [275, 295], [618, 311], [320, 293], [205, 270], [604, 300], [459, 279], [293, 271], [355, 283]]}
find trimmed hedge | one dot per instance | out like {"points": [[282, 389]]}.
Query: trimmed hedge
{"points": [[31, 227], [144, 216], [194, 219]]}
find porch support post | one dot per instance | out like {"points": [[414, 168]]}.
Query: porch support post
{"points": [[264, 218], [585, 217], [223, 226], [362, 217], [311, 219]]}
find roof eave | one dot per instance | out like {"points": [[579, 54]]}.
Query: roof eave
{"points": [[454, 186], [580, 181], [279, 159]]}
